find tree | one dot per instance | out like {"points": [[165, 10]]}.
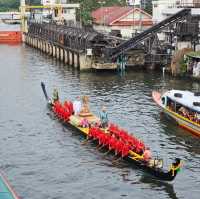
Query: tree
{"points": [[87, 6], [33, 2], [147, 5], [6, 5]]}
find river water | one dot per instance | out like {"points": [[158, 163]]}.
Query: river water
{"points": [[44, 160]]}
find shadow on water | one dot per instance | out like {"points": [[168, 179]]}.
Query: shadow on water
{"points": [[155, 184]]}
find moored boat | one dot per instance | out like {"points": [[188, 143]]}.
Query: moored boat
{"points": [[112, 139], [6, 191], [11, 21], [181, 106], [10, 37]]}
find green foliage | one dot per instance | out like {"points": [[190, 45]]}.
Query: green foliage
{"points": [[33, 2], [7, 5], [194, 54], [87, 6], [183, 65], [148, 6]]}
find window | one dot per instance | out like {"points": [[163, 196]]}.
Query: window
{"points": [[163, 100]]}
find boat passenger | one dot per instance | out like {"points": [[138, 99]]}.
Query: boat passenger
{"points": [[171, 106], [55, 96], [197, 117], [77, 106], [184, 112], [104, 117], [147, 155], [85, 123]]}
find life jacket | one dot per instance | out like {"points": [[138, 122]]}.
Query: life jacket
{"points": [[119, 147], [69, 106], [106, 139], [125, 150], [57, 108], [113, 128], [112, 143], [92, 132], [101, 138], [66, 115]]}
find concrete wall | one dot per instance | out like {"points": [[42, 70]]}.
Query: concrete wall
{"points": [[74, 59]]}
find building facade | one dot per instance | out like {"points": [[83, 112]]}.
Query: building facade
{"points": [[165, 8], [68, 9]]}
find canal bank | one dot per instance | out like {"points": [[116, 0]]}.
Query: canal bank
{"points": [[40, 156]]}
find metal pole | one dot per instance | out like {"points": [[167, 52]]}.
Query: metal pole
{"points": [[133, 18], [140, 16]]}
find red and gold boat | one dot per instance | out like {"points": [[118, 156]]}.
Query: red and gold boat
{"points": [[113, 139]]}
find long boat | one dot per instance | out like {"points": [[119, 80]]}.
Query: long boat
{"points": [[153, 167], [6, 191], [182, 106]]}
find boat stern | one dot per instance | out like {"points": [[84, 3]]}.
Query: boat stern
{"points": [[157, 97]]}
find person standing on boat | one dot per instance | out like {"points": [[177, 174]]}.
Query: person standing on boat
{"points": [[104, 117], [55, 96], [77, 106]]}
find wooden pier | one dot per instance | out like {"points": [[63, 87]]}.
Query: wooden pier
{"points": [[76, 47]]}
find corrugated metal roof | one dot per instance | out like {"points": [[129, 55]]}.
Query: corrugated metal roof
{"points": [[109, 15], [187, 98]]}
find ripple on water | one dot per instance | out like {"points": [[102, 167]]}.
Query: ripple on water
{"points": [[45, 160]]}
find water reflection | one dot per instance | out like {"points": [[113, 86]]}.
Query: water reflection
{"points": [[159, 185], [34, 144]]}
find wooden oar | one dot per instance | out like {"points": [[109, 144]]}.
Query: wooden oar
{"points": [[116, 160], [101, 147], [107, 152], [85, 141]]}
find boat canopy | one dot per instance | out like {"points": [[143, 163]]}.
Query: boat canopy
{"points": [[185, 98]]}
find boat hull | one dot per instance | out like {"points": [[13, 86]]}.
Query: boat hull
{"points": [[10, 37], [6, 191], [161, 174], [158, 173], [185, 123]]}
